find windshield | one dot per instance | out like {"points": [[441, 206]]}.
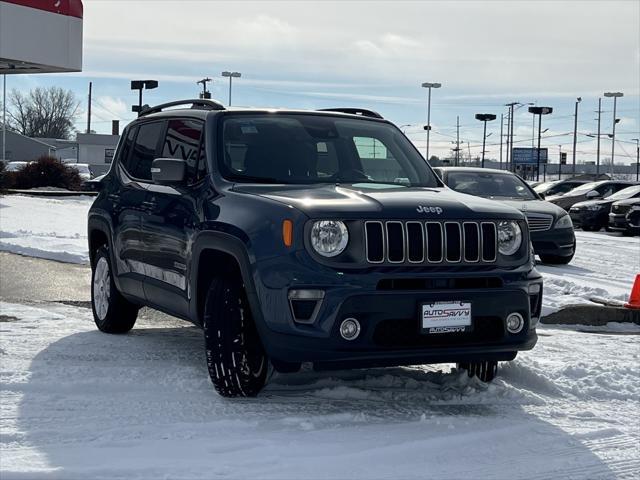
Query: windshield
{"points": [[490, 185], [625, 193], [308, 149]]}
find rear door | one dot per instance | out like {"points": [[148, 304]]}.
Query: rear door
{"points": [[174, 213]]}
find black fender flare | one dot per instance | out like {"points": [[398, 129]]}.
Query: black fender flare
{"points": [[95, 222], [236, 248]]}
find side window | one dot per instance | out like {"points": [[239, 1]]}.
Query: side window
{"points": [[125, 149], [183, 141], [144, 150]]}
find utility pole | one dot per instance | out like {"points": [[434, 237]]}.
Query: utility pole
{"points": [[637, 140], [575, 133], [501, 127], [559, 162], [89, 109], [598, 150], [4, 118], [457, 140], [510, 136], [205, 93]]}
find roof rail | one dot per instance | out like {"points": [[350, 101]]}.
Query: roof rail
{"points": [[353, 111], [197, 103]]}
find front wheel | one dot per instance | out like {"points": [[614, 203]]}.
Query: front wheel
{"points": [[485, 371], [236, 359], [111, 311]]}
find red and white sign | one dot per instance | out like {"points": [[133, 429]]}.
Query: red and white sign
{"points": [[40, 36]]}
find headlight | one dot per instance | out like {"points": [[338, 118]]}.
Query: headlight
{"points": [[564, 222], [329, 237], [595, 207], [509, 237]]}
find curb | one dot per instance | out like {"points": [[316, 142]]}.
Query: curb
{"points": [[591, 315]]}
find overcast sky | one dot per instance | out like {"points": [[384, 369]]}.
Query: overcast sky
{"points": [[375, 55]]}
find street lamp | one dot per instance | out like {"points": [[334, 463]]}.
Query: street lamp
{"points": [[485, 117], [615, 96], [575, 133], [539, 111], [429, 86], [142, 85], [231, 76]]}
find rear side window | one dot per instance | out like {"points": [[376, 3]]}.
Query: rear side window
{"points": [[127, 144], [183, 141], [144, 150]]}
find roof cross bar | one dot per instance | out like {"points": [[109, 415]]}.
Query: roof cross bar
{"points": [[353, 111], [196, 103]]}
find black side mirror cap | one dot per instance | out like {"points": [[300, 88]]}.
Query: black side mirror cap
{"points": [[168, 171]]}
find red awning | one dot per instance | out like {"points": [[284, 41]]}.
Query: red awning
{"points": [[71, 8]]}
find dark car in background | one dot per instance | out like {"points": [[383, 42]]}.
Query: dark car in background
{"points": [[550, 227], [625, 216], [558, 187], [589, 191], [593, 215]]}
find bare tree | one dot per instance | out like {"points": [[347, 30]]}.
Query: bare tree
{"points": [[43, 112]]}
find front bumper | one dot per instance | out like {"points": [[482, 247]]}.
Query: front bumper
{"points": [[588, 218], [388, 309], [618, 222], [556, 241]]}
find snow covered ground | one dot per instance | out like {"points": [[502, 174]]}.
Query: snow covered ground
{"points": [[77, 404], [605, 264], [45, 227]]}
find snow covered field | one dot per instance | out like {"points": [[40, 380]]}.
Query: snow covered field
{"points": [[604, 266], [77, 404]]}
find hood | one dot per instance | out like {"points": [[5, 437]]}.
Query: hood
{"points": [[588, 203], [535, 206], [366, 200], [628, 201]]}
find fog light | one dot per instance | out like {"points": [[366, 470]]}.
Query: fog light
{"points": [[515, 322], [534, 289], [350, 329]]}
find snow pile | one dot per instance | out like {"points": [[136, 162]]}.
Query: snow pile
{"points": [[53, 228], [76, 404]]}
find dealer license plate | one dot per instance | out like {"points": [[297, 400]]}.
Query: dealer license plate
{"points": [[446, 317]]}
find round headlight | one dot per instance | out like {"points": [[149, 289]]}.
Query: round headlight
{"points": [[329, 237], [509, 237]]}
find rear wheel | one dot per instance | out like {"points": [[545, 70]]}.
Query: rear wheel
{"points": [[236, 359], [485, 370], [111, 311]]}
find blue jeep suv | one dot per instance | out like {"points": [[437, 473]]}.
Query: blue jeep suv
{"points": [[297, 237]]}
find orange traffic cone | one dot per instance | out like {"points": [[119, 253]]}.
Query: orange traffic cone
{"points": [[634, 298]]}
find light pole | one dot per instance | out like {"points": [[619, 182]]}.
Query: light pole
{"points": [[615, 96], [559, 162], [637, 140], [575, 133], [231, 76], [539, 111], [484, 118], [510, 129], [142, 85], [429, 86], [4, 118]]}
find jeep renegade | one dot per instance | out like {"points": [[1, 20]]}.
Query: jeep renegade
{"points": [[306, 236]]}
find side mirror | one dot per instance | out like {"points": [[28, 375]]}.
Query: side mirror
{"points": [[168, 171], [593, 194]]}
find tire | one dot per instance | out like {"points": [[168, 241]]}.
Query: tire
{"points": [[237, 362], [556, 259], [485, 371], [112, 313]]}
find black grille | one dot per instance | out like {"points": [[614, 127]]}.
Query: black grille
{"points": [[412, 242], [405, 333]]}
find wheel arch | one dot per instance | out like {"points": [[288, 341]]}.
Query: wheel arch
{"points": [[227, 253]]}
